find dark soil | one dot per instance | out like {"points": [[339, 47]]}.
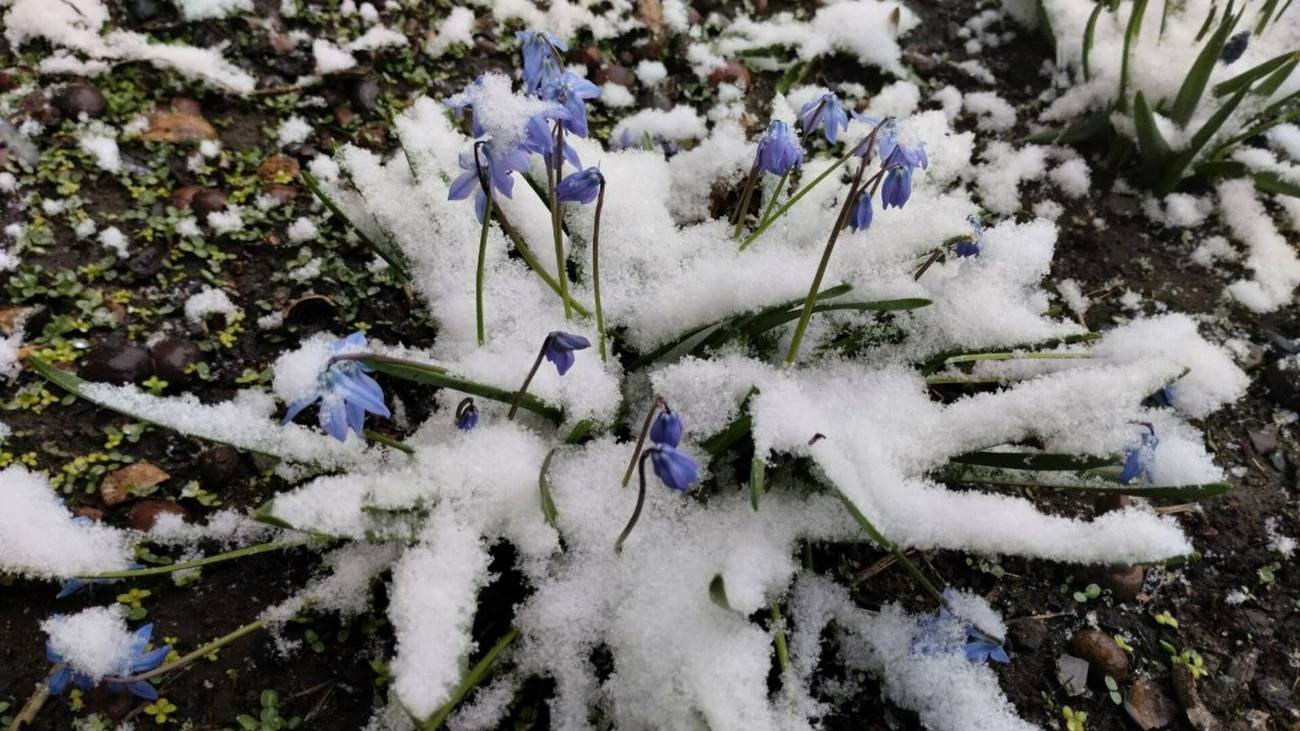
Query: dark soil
{"points": [[334, 686]]}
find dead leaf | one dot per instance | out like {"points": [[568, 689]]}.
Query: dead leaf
{"points": [[178, 127], [116, 487], [11, 318], [650, 12]]}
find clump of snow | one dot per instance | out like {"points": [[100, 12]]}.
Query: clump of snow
{"points": [[503, 113], [302, 229], [373, 39], [616, 96], [94, 642], [680, 123], [651, 72], [294, 130], [1271, 259], [210, 301], [1283, 544], [227, 221], [456, 28], [995, 114], [102, 147], [211, 9], [1073, 296], [114, 240], [1004, 168], [330, 58], [40, 538], [1072, 177]]}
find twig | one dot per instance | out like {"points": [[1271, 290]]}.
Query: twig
{"points": [[1050, 615], [34, 704]]}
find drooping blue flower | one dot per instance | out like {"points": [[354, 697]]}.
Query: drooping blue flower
{"points": [[947, 634], [540, 65], [970, 246], [675, 468], [461, 101], [73, 586], [897, 150], [559, 346], [540, 138], [778, 150], [667, 428], [346, 393], [466, 415], [1165, 396], [497, 165], [897, 187], [1235, 46], [860, 217], [137, 660], [569, 90], [1137, 459], [825, 112], [580, 187], [982, 648]]}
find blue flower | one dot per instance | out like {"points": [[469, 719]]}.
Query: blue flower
{"points": [[1235, 46], [676, 469], [970, 245], [667, 428], [860, 217], [497, 165], [466, 415], [1164, 397], [540, 65], [559, 346], [1137, 459], [72, 586], [137, 660], [825, 112], [947, 634], [345, 391], [897, 151], [568, 90], [982, 648], [580, 187], [778, 150], [897, 187], [539, 138]]}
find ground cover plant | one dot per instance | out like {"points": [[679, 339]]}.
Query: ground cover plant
{"points": [[634, 365]]}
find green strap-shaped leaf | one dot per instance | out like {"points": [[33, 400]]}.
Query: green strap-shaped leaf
{"points": [[471, 681], [1090, 32], [730, 434], [1198, 76], [1034, 461], [1131, 34], [1174, 171], [718, 593], [433, 375], [1271, 182], [392, 255], [1271, 83], [544, 485], [1251, 75], [757, 474], [1100, 481], [1152, 147], [375, 436], [1209, 21], [933, 364], [1265, 13]]}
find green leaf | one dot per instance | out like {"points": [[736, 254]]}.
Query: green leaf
{"points": [[386, 251], [470, 681], [375, 436], [718, 592], [270, 699], [1271, 182], [436, 376], [791, 77], [1249, 76], [776, 319], [1265, 13], [1198, 76], [1090, 32], [1269, 86], [1209, 21], [248, 722], [1034, 461], [1151, 144], [739, 427], [548, 505], [1131, 34], [579, 431], [1097, 481], [757, 473], [1174, 171]]}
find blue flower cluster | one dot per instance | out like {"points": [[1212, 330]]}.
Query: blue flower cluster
{"points": [[970, 246], [946, 634], [488, 172], [675, 468], [137, 660], [1138, 458], [346, 393]]}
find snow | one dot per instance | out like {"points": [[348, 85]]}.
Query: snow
{"points": [[679, 123], [193, 10], [616, 96], [1270, 258], [993, 112], [94, 641], [456, 28], [39, 537], [294, 130], [373, 39], [302, 229], [227, 221], [210, 301], [1072, 177], [651, 72], [104, 149], [114, 240]]}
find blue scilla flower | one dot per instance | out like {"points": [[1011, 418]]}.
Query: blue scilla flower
{"points": [[825, 112], [675, 468], [580, 187], [897, 187], [466, 415], [540, 139], [778, 150], [970, 246], [948, 634], [980, 648], [1235, 46], [136, 660], [559, 346], [540, 65], [497, 166], [73, 586], [667, 428], [861, 215], [569, 90], [1137, 459], [346, 393], [896, 150]]}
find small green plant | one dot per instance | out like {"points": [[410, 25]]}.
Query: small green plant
{"points": [[1166, 619], [1268, 573], [1123, 644], [1074, 720], [132, 599], [1189, 657], [1112, 689], [1091, 591], [160, 709], [268, 718]]}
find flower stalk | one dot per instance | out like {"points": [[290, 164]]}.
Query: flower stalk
{"points": [[203, 651], [198, 563], [553, 180], [486, 184], [640, 503], [640, 440], [595, 270]]}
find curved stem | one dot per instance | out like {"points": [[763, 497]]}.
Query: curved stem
{"points": [[486, 184], [207, 649], [531, 260], [640, 440], [636, 512], [595, 269], [173, 568], [470, 681], [743, 207], [776, 195], [561, 271], [811, 300], [519, 397]]}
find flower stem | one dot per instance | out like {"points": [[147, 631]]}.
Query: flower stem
{"points": [[595, 269], [743, 207], [640, 440], [173, 568], [470, 681], [207, 649], [811, 300], [485, 183], [782, 652], [776, 195], [636, 512], [519, 397], [561, 273], [531, 260], [34, 704]]}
